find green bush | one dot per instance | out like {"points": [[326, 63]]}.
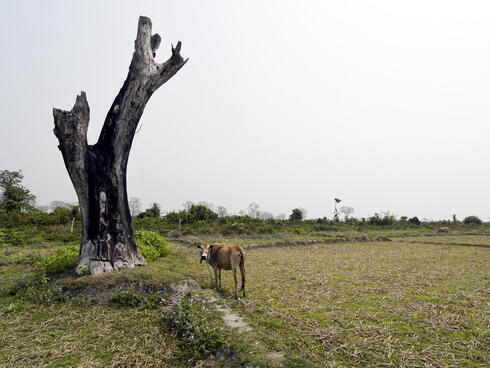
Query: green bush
{"points": [[12, 238], [64, 258], [414, 220], [152, 245], [472, 220], [383, 219], [150, 253], [8, 237]]}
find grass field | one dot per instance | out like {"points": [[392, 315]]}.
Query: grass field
{"points": [[374, 304], [411, 302]]}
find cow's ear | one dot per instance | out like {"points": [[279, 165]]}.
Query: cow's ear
{"points": [[211, 246], [199, 246]]}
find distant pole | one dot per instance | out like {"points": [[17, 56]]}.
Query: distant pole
{"points": [[72, 222]]}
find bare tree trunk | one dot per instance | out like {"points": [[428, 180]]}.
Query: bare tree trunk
{"points": [[98, 171]]}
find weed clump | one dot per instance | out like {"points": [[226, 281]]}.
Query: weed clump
{"points": [[188, 318], [126, 299], [152, 245]]}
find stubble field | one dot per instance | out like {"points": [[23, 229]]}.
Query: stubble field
{"points": [[410, 302]]}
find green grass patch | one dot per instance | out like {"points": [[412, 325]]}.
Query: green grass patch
{"points": [[61, 260]]}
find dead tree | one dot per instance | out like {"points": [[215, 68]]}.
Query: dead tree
{"points": [[98, 171]]}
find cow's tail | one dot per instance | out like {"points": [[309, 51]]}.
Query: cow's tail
{"points": [[242, 270]]}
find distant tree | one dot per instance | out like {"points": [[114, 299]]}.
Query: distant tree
{"points": [[455, 220], [153, 211], [347, 211], [177, 217], [62, 215], [414, 220], [281, 216], [296, 215], [472, 220], [304, 211], [207, 204], [241, 213], [42, 208], [222, 212], [59, 204], [253, 210], [199, 212], [403, 219], [13, 196], [75, 212], [336, 211], [266, 215], [385, 218], [187, 205], [134, 205]]}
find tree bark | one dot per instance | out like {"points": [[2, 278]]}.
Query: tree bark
{"points": [[98, 172]]}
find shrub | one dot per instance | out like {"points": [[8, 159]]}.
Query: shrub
{"points": [[296, 215], [149, 252], [153, 211], [201, 213], [414, 220], [152, 245], [472, 220], [64, 258], [9, 237], [176, 217], [385, 218], [188, 318]]}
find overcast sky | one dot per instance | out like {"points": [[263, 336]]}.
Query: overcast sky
{"points": [[384, 104]]}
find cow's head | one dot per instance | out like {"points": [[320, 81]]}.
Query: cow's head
{"points": [[205, 251]]}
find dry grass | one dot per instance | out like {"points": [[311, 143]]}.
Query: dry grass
{"points": [[373, 304], [71, 335], [457, 240], [380, 304]]}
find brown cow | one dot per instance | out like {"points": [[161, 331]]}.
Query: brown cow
{"points": [[443, 230], [226, 257]]}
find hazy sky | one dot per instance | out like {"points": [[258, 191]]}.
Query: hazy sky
{"points": [[384, 104]]}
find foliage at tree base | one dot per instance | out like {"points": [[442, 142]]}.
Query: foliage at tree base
{"points": [[152, 245]]}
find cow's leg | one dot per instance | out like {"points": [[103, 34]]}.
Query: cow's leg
{"points": [[234, 278], [242, 271], [219, 277], [216, 277]]}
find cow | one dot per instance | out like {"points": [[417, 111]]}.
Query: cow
{"points": [[443, 230], [224, 257]]}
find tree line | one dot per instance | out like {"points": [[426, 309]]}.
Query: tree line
{"points": [[18, 207]]}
